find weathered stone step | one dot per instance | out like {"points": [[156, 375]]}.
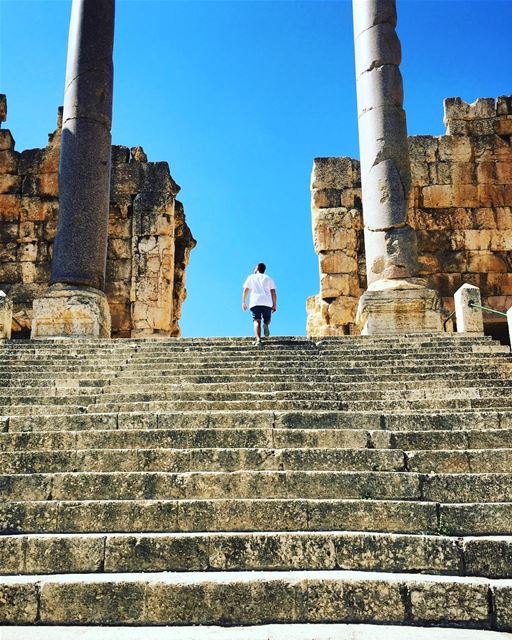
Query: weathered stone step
{"points": [[292, 420], [205, 485], [203, 458], [489, 556], [63, 380], [148, 438], [450, 440], [461, 461], [312, 631], [215, 459], [457, 519], [255, 598], [166, 387]]}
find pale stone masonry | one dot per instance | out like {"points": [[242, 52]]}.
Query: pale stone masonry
{"points": [[145, 284], [460, 205]]}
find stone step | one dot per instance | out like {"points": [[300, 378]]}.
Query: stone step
{"points": [[324, 384], [204, 458], [62, 381], [449, 440], [290, 420], [331, 631], [237, 392], [489, 556], [262, 437], [255, 598], [206, 485], [139, 516], [399, 407], [231, 459]]}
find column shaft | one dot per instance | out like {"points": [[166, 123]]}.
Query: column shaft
{"points": [[80, 249], [385, 173]]}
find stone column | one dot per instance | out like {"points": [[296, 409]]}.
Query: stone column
{"points": [[396, 300], [75, 304]]}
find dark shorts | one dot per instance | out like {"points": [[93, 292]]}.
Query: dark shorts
{"points": [[259, 312]]}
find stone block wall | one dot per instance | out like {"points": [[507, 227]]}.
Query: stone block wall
{"points": [[460, 205], [148, 247]]}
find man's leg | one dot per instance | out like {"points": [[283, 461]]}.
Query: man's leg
{"points": [[257, 329], [267, 319]]}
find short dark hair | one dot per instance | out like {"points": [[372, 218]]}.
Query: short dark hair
{"points": [[261, 267]]}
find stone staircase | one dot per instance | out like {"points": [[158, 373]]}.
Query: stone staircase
{"points": [[208, 482]]}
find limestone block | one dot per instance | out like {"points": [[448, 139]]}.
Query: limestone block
{"points": [[500, 241], [504, 172], [119, 248], [504, 217], [423, 148], [503, 127], [394, 310], [340, 284], [332, 173], [6, 140], [325, 198], [9, 161], [485, 262], [477, 240], [118, 292], [9, 183], [120, 154], [439, 197], [9, 207], [43, 184], [391, 254], [484, 218], [342, 311], [455, 149], [66, 311], [155, 177], [125, 179], [5, 316], [504, 105], [499, 283], [337, 262], [351, 199], [469, 319], [27, 252], [329, 234], [376, 46], [137, 153]]}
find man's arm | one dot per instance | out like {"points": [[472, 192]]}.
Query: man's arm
{"points": [[244, 298], [274, 299]]}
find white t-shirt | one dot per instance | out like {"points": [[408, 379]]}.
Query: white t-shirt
{"points": [[259, 286]]}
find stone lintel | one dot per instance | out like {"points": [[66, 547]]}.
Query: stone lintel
{"points": [[71, 312], [404, 307]]}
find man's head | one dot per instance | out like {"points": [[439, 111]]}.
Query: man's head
{"points": [[260, 268]]}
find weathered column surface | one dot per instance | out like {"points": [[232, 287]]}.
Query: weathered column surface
{"points": [[396, 299], [75, 304]]}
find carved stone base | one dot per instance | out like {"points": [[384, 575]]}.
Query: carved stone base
{"points": [[66, 311], [5, 316], [399, 306]]}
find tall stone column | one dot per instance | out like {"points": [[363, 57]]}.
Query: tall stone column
{"points": [[396, 300], [75, 304]]}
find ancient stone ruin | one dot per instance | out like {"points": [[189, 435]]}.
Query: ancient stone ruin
{"points": [[460, 204], [149, 241]]}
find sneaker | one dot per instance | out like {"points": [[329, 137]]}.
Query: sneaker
{"points": [[266, 330], [257, 343]]}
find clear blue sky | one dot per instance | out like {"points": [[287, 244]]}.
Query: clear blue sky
{"points": [[239, 97]]}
